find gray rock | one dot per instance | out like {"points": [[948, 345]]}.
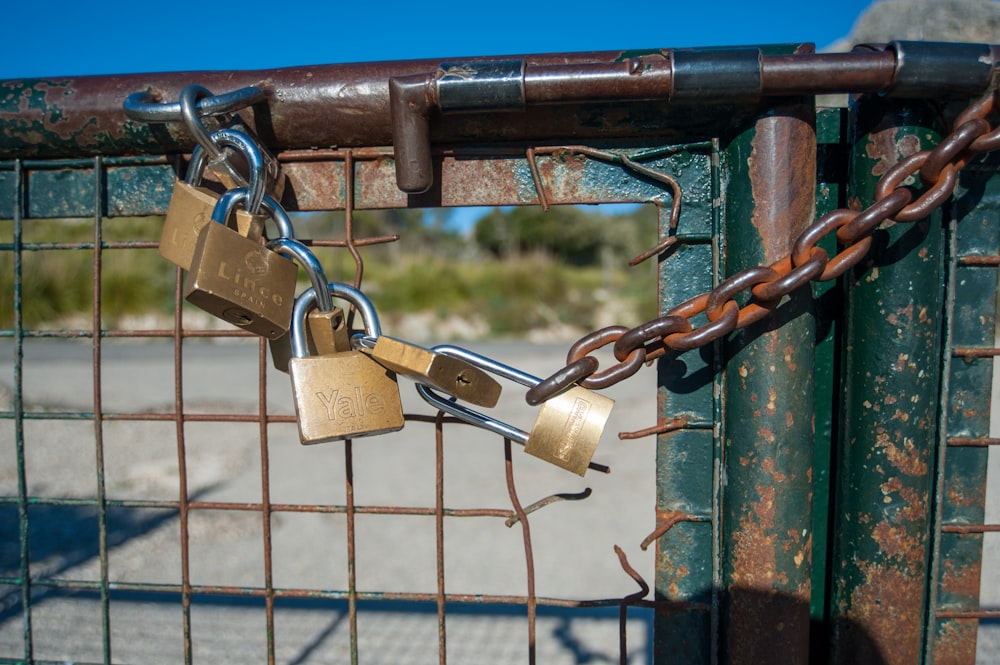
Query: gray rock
{"points": [[927, 20]]}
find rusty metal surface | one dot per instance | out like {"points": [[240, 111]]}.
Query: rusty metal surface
{"points": [[317, 180], [328, 106], [732, 76], [686, 520], [893, 337], [962, 463], [767, 534], [315, 107]]}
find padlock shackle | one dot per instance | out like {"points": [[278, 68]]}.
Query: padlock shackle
{"points": [[256, 189], [317, 274], [196, 167], [536, 443], [255, 161], [224, 208], [188, 102], [146, 107], [219, 158], [488, 364], [472, 416], [365, 307]]}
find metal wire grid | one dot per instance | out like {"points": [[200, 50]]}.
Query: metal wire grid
{"points": [[29, 584]]}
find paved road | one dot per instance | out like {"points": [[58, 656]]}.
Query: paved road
{"points": [[573, 541]]}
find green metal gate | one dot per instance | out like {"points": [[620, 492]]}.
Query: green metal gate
{"points": [[824, 423]]}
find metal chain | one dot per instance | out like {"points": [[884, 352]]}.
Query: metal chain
{"points": [[937, 170]]}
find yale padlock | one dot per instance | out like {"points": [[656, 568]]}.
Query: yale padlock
{"points": [[326, 329], [568, 426], [191, 205], [240, 280], [454, 376], [341, 395]]}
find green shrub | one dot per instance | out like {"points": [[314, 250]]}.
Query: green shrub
{"points": [[513, 295]]}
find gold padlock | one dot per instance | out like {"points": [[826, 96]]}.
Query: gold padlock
{"points": [[567, 429], [191, 205], [239, 280], [326, 330], [342, 395], [452, 375]]}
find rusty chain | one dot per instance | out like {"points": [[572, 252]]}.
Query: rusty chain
{"points": [[937, 171]]}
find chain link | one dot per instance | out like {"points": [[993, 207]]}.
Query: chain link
{"points": [[937, 170]]}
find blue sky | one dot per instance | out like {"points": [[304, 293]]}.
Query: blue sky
{"points": [[63, 38]]}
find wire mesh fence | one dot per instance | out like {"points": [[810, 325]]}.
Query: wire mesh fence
{"points": [[160, 509]]}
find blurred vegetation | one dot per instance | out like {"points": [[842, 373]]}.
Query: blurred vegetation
{"points": [[517, 270]]}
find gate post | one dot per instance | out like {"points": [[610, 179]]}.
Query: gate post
{"points": [[891, 395], [766, 491]]}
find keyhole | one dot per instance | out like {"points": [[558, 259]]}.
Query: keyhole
{"points": [[460, 379], [238, 317]]}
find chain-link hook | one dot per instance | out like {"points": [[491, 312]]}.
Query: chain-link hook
{"points": [[219, 158]]}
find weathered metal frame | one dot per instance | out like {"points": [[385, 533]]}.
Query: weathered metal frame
{"points": [[733, 217]]}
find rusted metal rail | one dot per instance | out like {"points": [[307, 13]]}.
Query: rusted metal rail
{"points": [[604, 94]]}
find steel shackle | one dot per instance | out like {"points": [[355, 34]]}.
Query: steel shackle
{"points": [[233, 138], [188, 102], [227, 203], [143, 106], [471, 416], [257, 185], [567, 428], [317, 274], [196, 167], [365, 307]]}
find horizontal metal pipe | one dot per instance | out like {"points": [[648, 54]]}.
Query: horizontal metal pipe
{"points": [[816, 74], [320, 106], [647, 78], [347, 105]]}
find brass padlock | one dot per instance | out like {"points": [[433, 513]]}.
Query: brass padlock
{"points": [[191, 205], [452, 375], [240, 280], [568, 426], [326, 329], [341, 395]]}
